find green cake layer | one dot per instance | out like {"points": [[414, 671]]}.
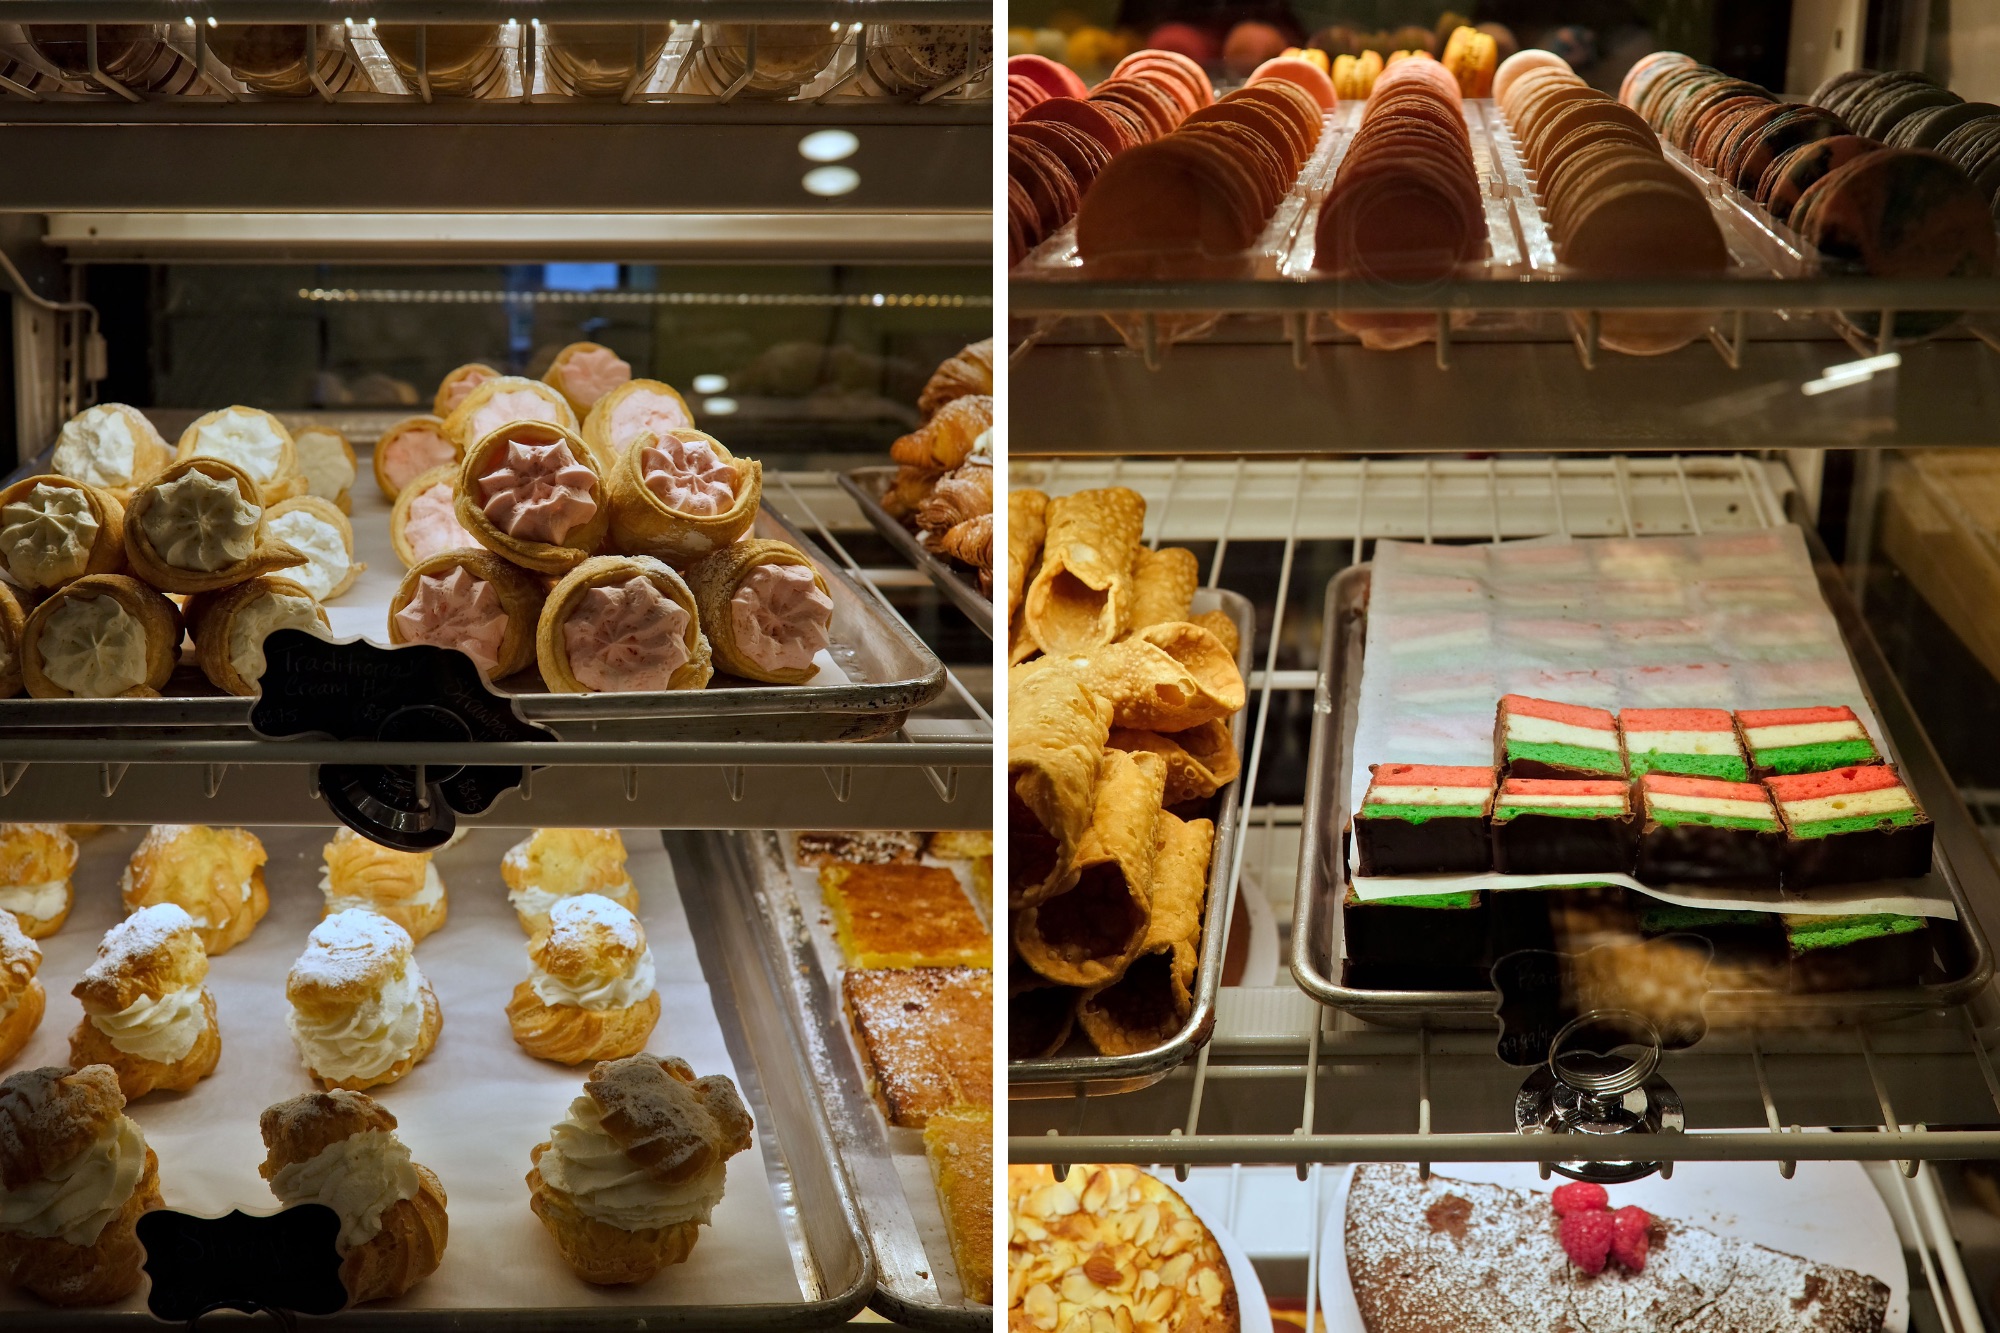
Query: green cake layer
{"points": [[1418, 814], [1823, 828], [1664, 917], [1833, 932], [1816, 758], [1677, 818], [1447, 901], [1581, 757], [1727, 767], [1503, 813]]}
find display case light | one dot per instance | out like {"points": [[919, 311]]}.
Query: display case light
{"points": [[719, 407], [710, 383], [828, 146], [828, 182]]}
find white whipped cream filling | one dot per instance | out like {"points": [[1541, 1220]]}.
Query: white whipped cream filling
{"points": [[361, 1177], [430, 895], [252, 624], [96, 447], [328, 469], [619, 992], [537, 902], [368, 1038], [163, 1029], [201, 522], [46, 535], [244, 439], [982, 448], [38, 901], [327, 560], [77, 1199], [93, 647], [587, 1164]]}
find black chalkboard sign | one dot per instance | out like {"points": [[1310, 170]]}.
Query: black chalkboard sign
{"points": [[1665, 980], [417, 692], [288, 1260]]}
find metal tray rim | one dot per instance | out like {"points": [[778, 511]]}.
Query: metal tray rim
{"points": [[963, 595]]}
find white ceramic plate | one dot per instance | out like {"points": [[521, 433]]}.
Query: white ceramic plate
{"points": [[1255, 1310]]}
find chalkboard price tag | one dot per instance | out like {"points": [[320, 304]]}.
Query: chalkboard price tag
{"points": [[288, 1260], [1663, 980]]}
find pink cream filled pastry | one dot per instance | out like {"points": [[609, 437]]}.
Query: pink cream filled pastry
{"points": [[432, 526], [626, 636], [512, 405], [645, 412], [588, 376], [780, 617], [539, 492], [457, 610], [688, 475], [408, 454], [459, 390]]}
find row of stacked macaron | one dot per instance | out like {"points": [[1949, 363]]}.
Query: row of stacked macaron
{"points": [[1906, 109]]}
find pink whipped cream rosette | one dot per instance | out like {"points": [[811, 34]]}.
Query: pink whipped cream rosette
{"points": [[766, 609], [407, 450], [680, 495], [584, 372], [620, 624], [532, 492], [633, 410], [499, 401], [473, 601], [424, 520], [454, 388]]}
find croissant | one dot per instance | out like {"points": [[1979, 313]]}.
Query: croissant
{"points": [[945, 440], [968, 372], [911, 488], [970, 542], [958, 496]]}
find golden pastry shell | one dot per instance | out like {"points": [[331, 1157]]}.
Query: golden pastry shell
{"points": [[328, 512], [521, 596], [379, 456], [107, 552], [286, 482], [265, 557], [161, 619], [715, 580], [552, 650], [578, 545], [208, 616]]}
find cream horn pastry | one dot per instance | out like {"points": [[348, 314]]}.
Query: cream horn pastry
{"points": [[53, 530], [362, 1012], [1147, 1006], [502, 401], [199, 525], [36, 862], [326, 457], [407, 450], [320, 532], [584, 372], [111, 446], [1081, 597], [75, 1177], [22, 999], [765, 608], [340, 1149], [229, 627], [471, 600], [552, 864], [403, 886], [13, 626], [630, 412], [618, 623], [590, 990], [629, 1177], [105, 636], [254, 442], [454, 388], [215, 875], [531, 492], [680, 495], [146, 1013], [424, 520]]}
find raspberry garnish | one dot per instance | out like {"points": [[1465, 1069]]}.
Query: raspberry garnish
{"points": [[1586, 1238], [1579, 1196], [1628, 1237]]}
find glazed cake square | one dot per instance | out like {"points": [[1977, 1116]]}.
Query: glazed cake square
{"points": [[1705, 831], [959, 1144], [1424, 819], [903, 916], [1804, 740], [927, 1035], [1562, 826], [1850, 826], [1698, 742], [1540, 738]]}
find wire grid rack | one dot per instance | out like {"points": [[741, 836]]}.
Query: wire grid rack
{"points": [[1285, 1081]]}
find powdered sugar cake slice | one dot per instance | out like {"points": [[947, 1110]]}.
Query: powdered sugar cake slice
{"points": [[1466, 1257]]}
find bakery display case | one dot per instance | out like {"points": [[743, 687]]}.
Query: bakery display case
{"points": [[1476, 467]]}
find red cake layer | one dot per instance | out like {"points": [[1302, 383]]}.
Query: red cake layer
{"points": [[1835, 782], [1785, 717], [1430, 775], [1674, 785], [1565, 787], [1676, 719], [1575, 714]]}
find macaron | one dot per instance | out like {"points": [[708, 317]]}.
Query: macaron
{"points": [[1514, 66], [1793, 125], [1288, 100], [1048, 182], [1798, 169], [1189, 71], [1644, 70], [1082, 156], [1090, 117], [1159, 110], [1302, 74], [1057, 80]]}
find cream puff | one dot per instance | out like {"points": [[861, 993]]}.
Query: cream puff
{"points": [[54, 530], [584, 372], [252, 441], [630, 1176], [532, 492], [215, 875], [454, 388], [403, 886], [590, 989], [407, 450], [145, 1011], [112, 446], [551, 864], [680, 495], [619, 623], [36, 861], [200, 525], [105, 636], [340, 1149], [630, 412], [22, 999], [314, 528], [75, 1177], [362, 1013], [229, 627], [424, 520], [766, 610], [502, 401], [473, 601], [326, 458]]}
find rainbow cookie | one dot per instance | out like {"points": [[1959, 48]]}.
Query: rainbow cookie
{"points": [[1804, 740], [1537, 738], [1860, 952], [1702, 831], [1850, 826], [1420, 942], [1422, 819], [1700, 742], [1553, 826]]}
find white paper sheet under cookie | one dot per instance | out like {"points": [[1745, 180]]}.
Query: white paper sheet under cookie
{"points": [[471, 1111]]}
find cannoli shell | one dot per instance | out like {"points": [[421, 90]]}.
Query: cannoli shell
{"points": [[159, 617], [520, 592], [150, 454], [643, 524], [1088, 933], [1040, 1014], [553, 654], [577, 545], [286, 482], [208, 617], [1223, 628], [1164, 678], [714, 581], [1056, 731], [1163, 584], [331, 513], [1027, 521], [1081, 598], [596, 430], [13, 626], [107, 552], [1149, 1004], [1200, 761], [264, 558]]}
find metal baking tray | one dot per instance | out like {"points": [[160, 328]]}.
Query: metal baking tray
{"points": [[868, 485], [750, 918], [1964, 869], [890, 672], [1065, 1075]]}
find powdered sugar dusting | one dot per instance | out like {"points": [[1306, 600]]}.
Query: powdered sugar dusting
{"points": [[592, 915], [20, 957], [349, 948], [140, 935]]}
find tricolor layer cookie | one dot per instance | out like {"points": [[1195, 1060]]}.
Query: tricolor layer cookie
{"points": [[1805, 740], [1420, 942], [1422, 819], [1557, 826], [1704, 831], [1700, 742], [1850, 826], [1536, 738], [1861, 952], [1748, 947]]}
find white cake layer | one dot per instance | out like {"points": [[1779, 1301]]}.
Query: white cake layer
{"points": [[1803, 733], [1709, 805], [1380, 794], [1681, 742], [1580, 802], [1881, 801], [1546, 731]]}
